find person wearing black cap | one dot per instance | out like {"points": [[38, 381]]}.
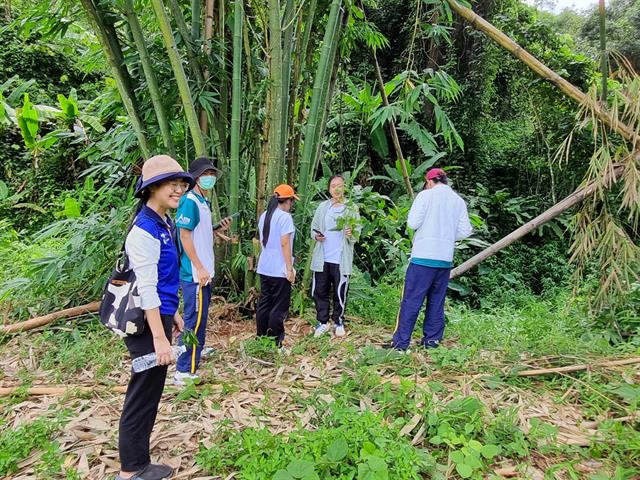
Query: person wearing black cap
{"points": [[152, 254], [195, 238]]}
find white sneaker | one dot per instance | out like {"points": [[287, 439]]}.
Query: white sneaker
{"points": [[207, 352], [321, 329], [182, 378], [340, 331]]}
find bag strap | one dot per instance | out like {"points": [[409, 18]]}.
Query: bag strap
{"points": [[123, 250]]}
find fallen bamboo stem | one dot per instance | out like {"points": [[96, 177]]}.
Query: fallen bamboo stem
{"points": [[549, 214], [543, 71], [51, 317], [577, 368], [594, 424]]}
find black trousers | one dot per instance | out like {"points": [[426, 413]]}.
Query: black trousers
{"points": [[326, 284], [141, 402], [273, 307]]}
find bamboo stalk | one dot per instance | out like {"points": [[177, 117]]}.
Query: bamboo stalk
{"points": [[208, 32], [261, 167], [113, 53], [545, 72], [196, 13], [320, 87], [181, 24], [327, 97], [287, 44], [236, 114], [149, 74], [181, 78], [301, 59], [392, 128], [49, 318], [604, 69], [549, 214], [578, 368], [276, 85], [223, 118]]}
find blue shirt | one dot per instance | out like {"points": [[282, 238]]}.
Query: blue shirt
{"points": [[168, 279]]}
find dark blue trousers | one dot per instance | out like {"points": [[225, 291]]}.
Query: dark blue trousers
{"points": [[196, 311], [421, 282]]}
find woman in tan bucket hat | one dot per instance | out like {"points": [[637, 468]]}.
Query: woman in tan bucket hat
{"points": [[153, 256]]}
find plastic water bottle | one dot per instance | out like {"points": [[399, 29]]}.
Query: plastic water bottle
{"points": [[149, 360]]}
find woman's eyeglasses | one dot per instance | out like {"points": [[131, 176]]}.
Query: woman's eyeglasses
{"points": [[176, 186]]}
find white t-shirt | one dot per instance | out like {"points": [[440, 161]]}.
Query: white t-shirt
{"points": [[332, 246], [271, 261]]}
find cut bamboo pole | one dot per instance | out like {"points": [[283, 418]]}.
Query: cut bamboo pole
{"points": [[549, 214], [542, 70], [51, 317], [578, 368]]}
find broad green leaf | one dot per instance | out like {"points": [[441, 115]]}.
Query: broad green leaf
{"points": [[476, 445], [68, 106], [300, 468], [473, 460], [379, 142], [28, 122], [71, 207], [337, 450], [457, 456], [462, 290], [464, 470], [490, 451], [376, 463], [282, 475]]}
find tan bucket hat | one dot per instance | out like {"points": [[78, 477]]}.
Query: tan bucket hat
{"points": [[161, 168]]}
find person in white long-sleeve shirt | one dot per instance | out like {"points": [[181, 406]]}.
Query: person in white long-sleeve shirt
{"points": [[439, 217]]}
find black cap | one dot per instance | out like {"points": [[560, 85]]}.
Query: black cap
{"points": [[201, 165]]}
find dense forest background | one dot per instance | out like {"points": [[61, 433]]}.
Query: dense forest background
{"points": [[65, 183]]}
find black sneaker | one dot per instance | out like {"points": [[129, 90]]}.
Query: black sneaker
{"points": [[430, 344], [151, 472]]}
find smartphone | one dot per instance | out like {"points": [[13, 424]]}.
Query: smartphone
{"points": [[318, 232], [233, 215]]}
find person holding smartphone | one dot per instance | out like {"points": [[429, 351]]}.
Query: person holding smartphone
{"points": [[275, 265], [195, 240], [332, 258]]}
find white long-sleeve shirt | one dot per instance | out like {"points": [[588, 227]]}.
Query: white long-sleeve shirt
{"points": [[439, 217]]}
